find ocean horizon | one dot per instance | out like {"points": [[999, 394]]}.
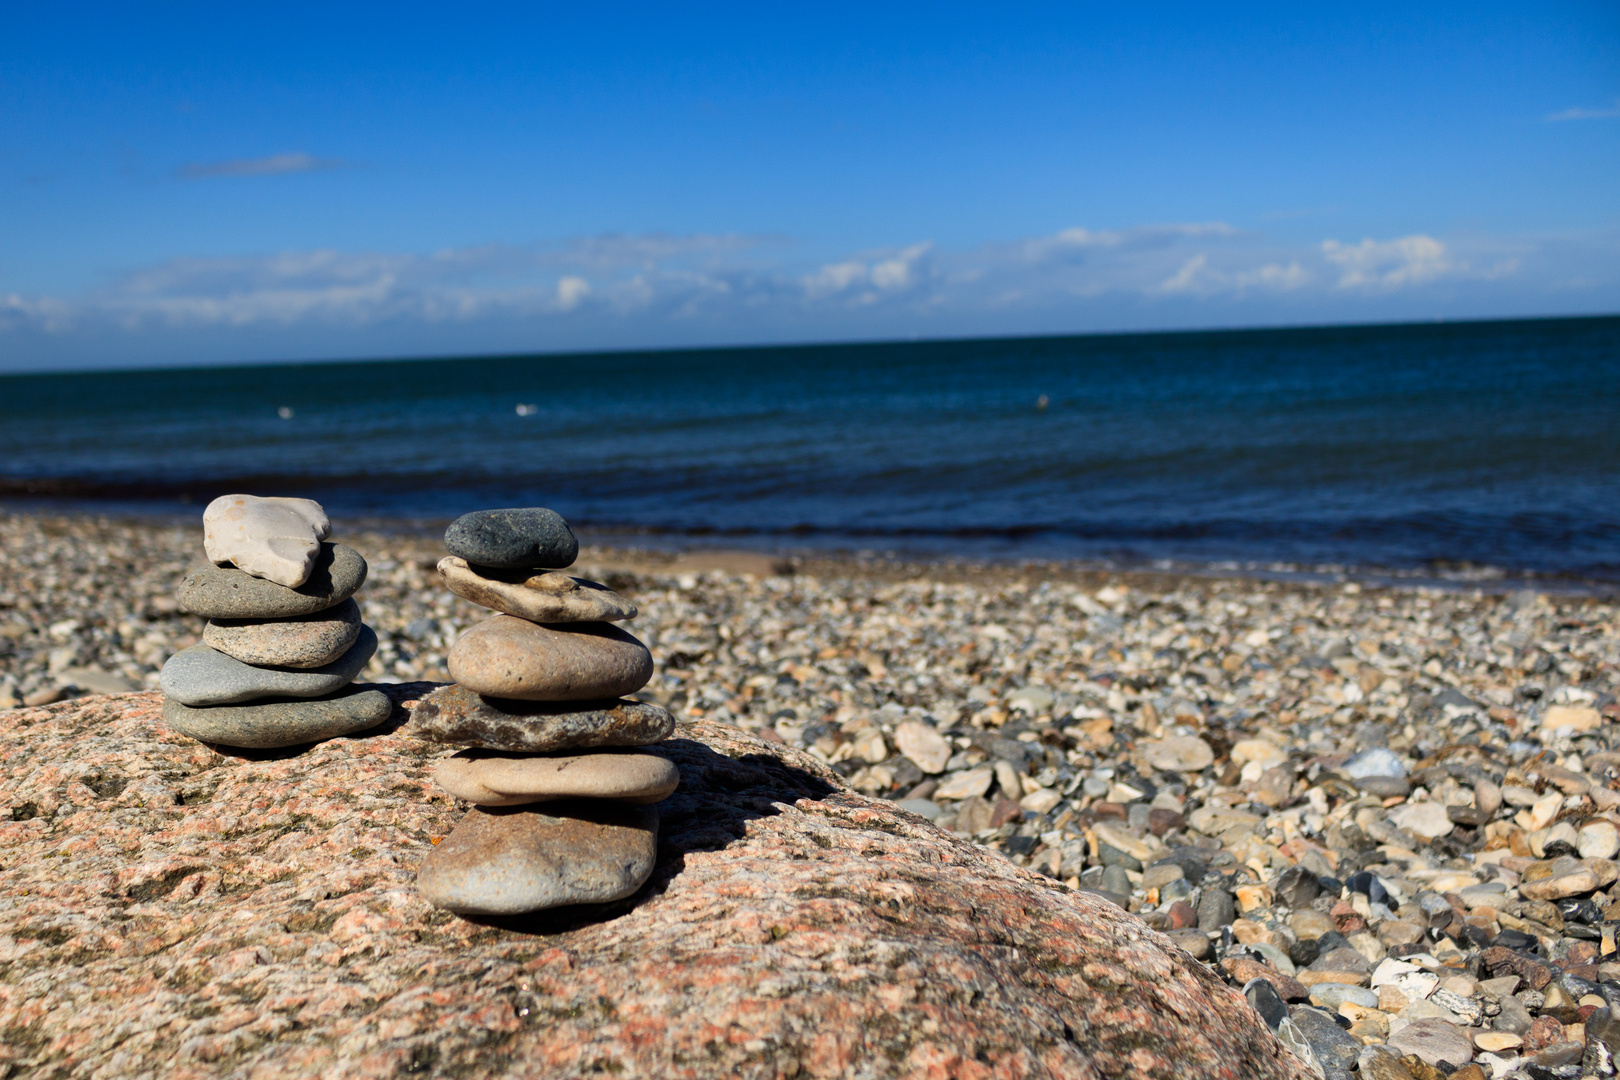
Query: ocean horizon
{"points": [[1460, 450]]}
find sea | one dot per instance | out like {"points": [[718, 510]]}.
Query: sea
{"points": [[1461, 452]]}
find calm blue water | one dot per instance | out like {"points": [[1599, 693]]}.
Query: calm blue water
{"points": [[1408, 446]]}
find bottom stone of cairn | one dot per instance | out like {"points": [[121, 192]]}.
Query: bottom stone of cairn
{"points": [[515, 860]]}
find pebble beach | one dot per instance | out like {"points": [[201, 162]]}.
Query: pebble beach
{"points": [[1389, 814]]}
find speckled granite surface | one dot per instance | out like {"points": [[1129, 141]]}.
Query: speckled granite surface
{"points": [[169, 911]]}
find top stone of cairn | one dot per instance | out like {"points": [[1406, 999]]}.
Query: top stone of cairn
{"points": [[517, 539], [274, 539]]}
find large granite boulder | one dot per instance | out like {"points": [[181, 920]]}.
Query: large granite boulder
{"points": [[170, 911]]}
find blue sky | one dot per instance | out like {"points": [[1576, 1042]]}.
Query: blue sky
{"points": [[180, 184]]}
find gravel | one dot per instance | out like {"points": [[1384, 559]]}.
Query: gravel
{"points": [[1410, 793]]}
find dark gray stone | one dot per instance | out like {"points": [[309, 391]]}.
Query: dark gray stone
{"points": [[1216, 909], [1297, 887], [202, 676], [458, 716], [1334, 1047], [1384, 786], [1263, 997], [220, 592], [514, 539], [273, 724], [1114, 880], [507, 861]]}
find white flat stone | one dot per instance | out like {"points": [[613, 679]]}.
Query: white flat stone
{"points": [[275, 539]]}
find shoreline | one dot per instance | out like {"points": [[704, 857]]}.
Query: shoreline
{"points": [[769, 553]]}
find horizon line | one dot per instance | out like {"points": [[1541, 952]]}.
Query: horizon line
{"points": [[888, 342]]}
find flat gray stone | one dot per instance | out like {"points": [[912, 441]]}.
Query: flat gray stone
{"points": [[501, 778], [202, 676], [221, 592], [303, 641], [540, 598], [514, 539], [1434, 1041], [516, 860], [507, 657], [272, 724], [458, 716]]}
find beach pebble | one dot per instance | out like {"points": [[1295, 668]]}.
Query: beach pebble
{"points": [[511, 861], [923, 745], [303, 641], [274, 539], [458, 716], [507, 657], [227, 593], [280, 723], [1578, 718], [1377, 761], [1599, 840], [494, 778], [1332, 995], [202, 676], [967, 784], [925, 808], [541, 598], [1182, 753], [1434, 1040], [1425, 819], [515, 539]]}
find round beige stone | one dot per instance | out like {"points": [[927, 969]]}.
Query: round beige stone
{"points": [[302, 642], [493, 778], [508, 657], [541, 598]]}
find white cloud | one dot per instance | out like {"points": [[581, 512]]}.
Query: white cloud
{"points": [[657, 288], [1389, 264], [1609, 113], [571, 290], [1197, 277], [274, 165]]}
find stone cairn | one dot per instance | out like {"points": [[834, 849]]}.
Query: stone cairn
{"points": [[562, 802], [284, 639]]}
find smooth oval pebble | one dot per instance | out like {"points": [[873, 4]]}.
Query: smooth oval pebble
{"points": [[303, 641], [202, 676], [511, 861], [460, 717], [541, 598], [220, 592], [514, 539], [275, 724], [495, 778], [507, 657]]}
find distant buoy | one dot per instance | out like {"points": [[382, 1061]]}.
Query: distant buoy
{"points": [[285, 412], [1042, 402], [527, 410]]}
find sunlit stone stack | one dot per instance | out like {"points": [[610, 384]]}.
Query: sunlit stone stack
{"points": [[284, 639], [561, 797]]}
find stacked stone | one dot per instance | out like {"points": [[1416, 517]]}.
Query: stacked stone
{"points": [[562, 801], [284, 639]]}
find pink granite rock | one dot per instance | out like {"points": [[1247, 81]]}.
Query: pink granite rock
{"points": [[167, 911]]}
